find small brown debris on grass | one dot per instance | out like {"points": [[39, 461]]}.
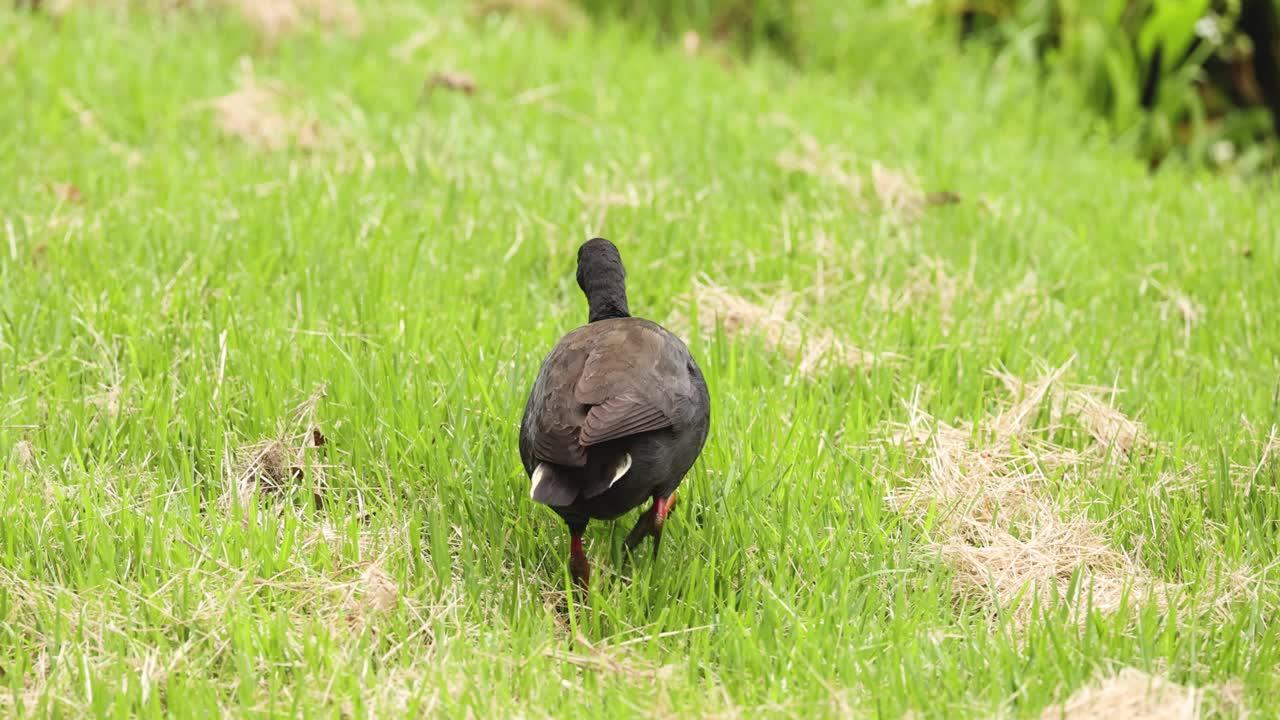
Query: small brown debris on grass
{"points": [[1130, 694], [454, 81], [272, 466], [68, 192], [269, 466], [813, 349], [252, 113], [561, 15], [942, 197]]}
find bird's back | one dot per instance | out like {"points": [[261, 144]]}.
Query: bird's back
{"points": [[603, 387]]}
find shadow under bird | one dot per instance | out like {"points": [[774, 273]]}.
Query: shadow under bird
{"points": [[618, 414]]}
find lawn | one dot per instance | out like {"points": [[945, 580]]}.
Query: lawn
{"points": [[993, 408]]}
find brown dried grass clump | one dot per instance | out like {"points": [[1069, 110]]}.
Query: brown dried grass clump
{"points": [[273, 466], [1130, 694], [1109, 428], [1007, 541], [24, 456], [374, 593], [813, 349], [252, 113]]}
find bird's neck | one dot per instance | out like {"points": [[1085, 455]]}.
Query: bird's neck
{"points": [[607, 300]]}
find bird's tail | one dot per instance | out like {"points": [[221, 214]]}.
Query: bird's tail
{"points": [[558, 486], [553, 485]]}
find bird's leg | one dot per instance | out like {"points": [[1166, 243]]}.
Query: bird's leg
{"points": [[579, 567], [651, 522]]}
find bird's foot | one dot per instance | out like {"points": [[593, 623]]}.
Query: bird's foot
{"points": [[650, 523]]}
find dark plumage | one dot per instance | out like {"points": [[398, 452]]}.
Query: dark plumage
{"points": [[618, 414]]}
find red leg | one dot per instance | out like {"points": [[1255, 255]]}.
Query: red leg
{"points": [[651, 522], [579, 567], [661, 509]]}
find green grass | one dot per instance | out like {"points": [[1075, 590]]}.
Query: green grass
{"points": [[418, 267]]}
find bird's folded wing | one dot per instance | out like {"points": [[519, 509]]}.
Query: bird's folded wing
{"points": [[621, 416], [560, 445]]}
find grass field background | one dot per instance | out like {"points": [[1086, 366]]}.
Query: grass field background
{"points": [[217, 239]]}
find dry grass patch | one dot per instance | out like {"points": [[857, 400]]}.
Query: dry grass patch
{"points": [[253, 114], [1005, 538], [375, 593], [1091, 406], [933, 287], [1269, 458], [899, 194], [1130, 694], [896, 191], [25, 456], [929, 282], [825, 163], [813, 349], [625, 195], [271, 467], [611, 661], [1174, 305], [275, 18]]}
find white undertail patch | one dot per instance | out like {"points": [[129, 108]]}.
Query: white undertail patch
{"points": [[539, 474], [623, 467]]}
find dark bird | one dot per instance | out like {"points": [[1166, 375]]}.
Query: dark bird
{"points": [[618, 414]]}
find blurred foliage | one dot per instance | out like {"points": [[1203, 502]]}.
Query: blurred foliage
{"points": [[747, 25], [1198, 79], [1195, 77]]}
